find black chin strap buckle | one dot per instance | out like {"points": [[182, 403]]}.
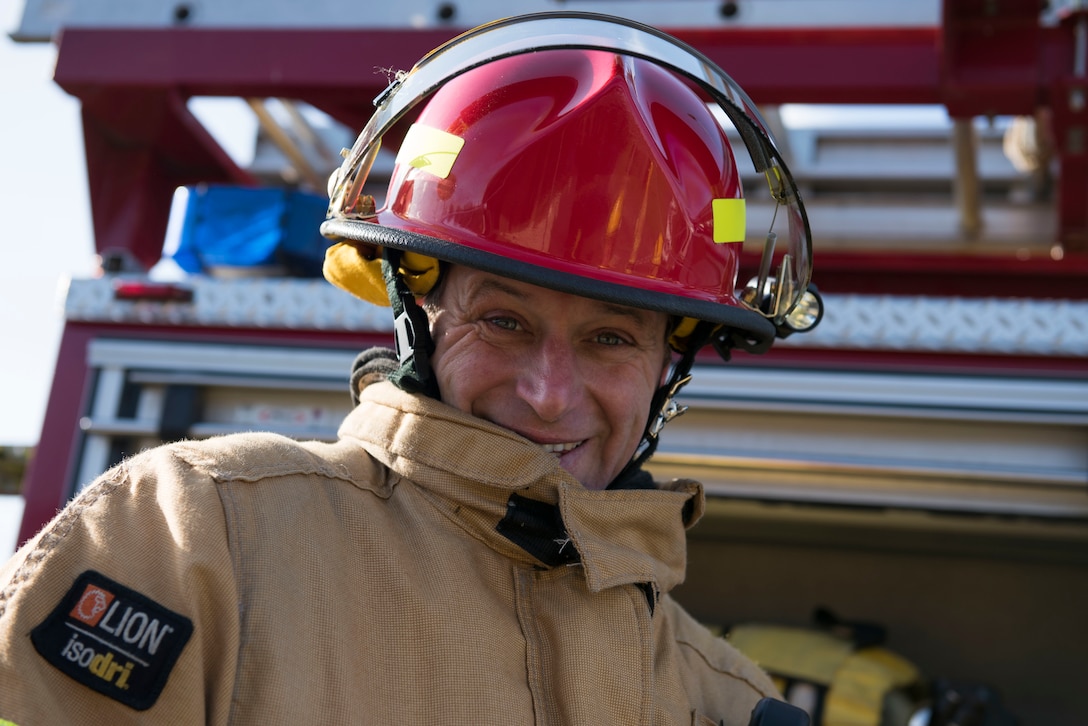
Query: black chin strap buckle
{"points": [[404, 337], [411, 330]]}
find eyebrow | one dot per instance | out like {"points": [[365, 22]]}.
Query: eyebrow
{"points": [[495, 284], [641, 317]]}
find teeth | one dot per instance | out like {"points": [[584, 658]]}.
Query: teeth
{"points": [[560, 448]]}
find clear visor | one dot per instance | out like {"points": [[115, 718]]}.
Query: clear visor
{"points": [[788, 266]]}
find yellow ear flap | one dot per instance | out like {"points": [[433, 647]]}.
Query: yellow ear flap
{"points": [[679, 338], [420, 272], [357, 268]]}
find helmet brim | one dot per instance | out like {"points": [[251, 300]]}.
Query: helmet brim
{"points": [[749, 324]]}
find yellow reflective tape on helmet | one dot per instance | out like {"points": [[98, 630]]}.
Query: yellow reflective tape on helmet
{"points": [[729, 221], [430, 150]]}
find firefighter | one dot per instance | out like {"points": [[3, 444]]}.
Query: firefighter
{"points": [[559, 238]]}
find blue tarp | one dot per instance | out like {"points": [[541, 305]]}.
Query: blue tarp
{"points": [[238, 227]]}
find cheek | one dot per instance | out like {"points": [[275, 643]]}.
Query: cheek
{"points": [[465, 369], [628, 395], [658, 376]]}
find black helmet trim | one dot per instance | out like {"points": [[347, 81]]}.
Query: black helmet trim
{"points": [[750, 325]]}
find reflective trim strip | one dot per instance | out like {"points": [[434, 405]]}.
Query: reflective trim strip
{"points": [[430, 150], [729, 224], [995, 326]]}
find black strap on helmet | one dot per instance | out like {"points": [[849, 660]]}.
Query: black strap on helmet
{"points": [[412, 332], [663, 407]]}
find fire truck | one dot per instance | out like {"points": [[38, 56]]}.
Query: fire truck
{"points": [[919, 460]]}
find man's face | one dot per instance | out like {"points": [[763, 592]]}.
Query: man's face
{"points": [[572, 374]]}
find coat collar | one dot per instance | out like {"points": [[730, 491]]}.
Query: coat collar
{"points": [[470, 469]]}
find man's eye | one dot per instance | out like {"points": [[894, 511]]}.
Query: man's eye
{"points": [[504, 323], [610, 339]]}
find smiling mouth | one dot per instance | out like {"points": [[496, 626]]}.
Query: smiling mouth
{"points": [[559, 449]]}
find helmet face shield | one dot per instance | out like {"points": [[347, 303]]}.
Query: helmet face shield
{"points": [[786, 269]]}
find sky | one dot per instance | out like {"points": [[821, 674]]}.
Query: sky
{"points": [[45, 224]]}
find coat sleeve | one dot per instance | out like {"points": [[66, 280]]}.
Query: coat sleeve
{"points": [[124, 607], [721, 680]]}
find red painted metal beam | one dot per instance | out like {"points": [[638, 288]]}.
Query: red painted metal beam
{"points": [[998, 59], [987, 59], [142, 142], [349, 67], [991, 57], [1069, 126], [820, 65], [946, 275], [338, 70], [45, 482], [141, 145]]}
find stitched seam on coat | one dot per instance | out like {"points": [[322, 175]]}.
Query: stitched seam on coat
{"points": [[450, 513], [270, 473], [646, 637], [544, 711], [60, 528], [731, 673], [309, 465], [231, 516]]}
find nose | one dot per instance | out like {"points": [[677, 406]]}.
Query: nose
{"points": [[549, 380]]}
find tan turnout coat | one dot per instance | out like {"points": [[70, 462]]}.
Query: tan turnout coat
{"points": [[363, 581]]}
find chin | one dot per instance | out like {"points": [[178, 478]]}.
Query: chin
{"points": [[593, 483]]}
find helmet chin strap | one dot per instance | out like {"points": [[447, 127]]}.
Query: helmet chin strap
{"points": [[663, 407], [412, 330]]}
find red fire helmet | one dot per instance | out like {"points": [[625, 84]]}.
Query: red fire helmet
{"points": [[579, 166]]}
